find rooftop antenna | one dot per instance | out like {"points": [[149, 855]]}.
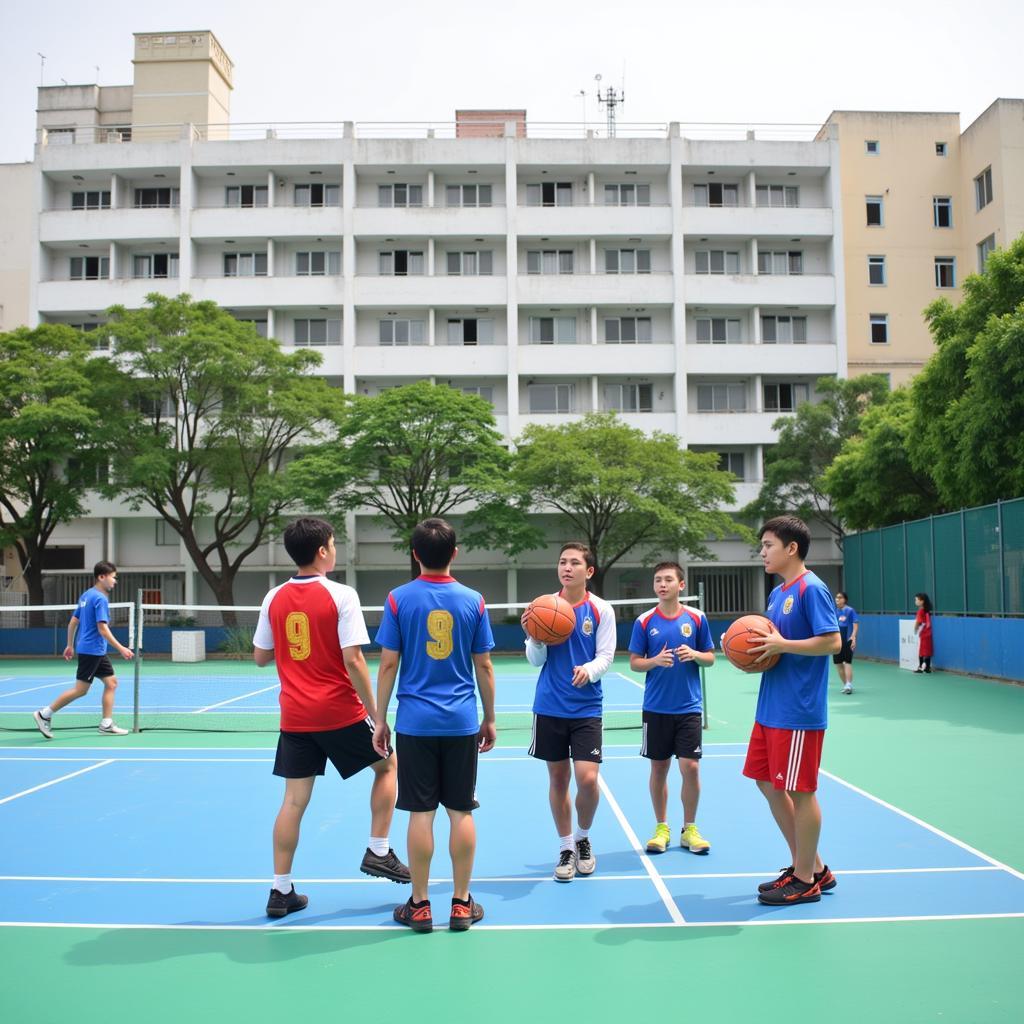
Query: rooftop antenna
{"points": [[611, 100], [42, 65]]}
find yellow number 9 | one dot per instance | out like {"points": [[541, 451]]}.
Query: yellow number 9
{"points": [[296, 632], [439, 626]]}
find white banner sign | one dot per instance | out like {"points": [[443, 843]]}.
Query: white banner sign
{"points": [[908, 644]]}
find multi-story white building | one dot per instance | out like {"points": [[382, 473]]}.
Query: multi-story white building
{"points": [[691, 285]]}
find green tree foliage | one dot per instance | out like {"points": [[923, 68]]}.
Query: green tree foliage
{"points": [[59, 412], [623, 491], [221, 412], [417, 451]]}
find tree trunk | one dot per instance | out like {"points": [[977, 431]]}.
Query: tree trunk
{"points": [[32, 574], [224, 590], [596, 582]]}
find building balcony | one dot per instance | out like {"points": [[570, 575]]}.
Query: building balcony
{"points": [[108, 225], [758, 221], [269, 291], [332, 356], [422, 290], [429, 221], [603, 221], [817, 359], [729, 428], [650, 359], [74, 296], [443, 361], [266, 222], [802, 290], [746, 491], [595, 289]]}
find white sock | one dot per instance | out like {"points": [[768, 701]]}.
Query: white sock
{"points": [[582, 833], [665, 823], [283, 883], [106, 722], [47, 712], [687, 824], [566, 842], [379, 846]]}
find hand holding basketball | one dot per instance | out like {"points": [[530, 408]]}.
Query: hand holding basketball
{"points": [[549, 619], [748, 639]]}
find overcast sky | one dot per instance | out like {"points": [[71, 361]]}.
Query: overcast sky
{"points": [[787, 61]]}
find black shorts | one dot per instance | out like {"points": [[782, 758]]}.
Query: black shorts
{"points": [[668, 735], [301, 755], [557, 739], [92, 665], [845, 655], [436, 770]]}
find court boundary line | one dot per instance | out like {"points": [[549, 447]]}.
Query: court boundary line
{"points": [[53, 782], [231, 700]]}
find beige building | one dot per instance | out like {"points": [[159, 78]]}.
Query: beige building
{"points": [[922, 206], [17, 211]]}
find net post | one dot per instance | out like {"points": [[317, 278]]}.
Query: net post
{"points": [[137, 610], [703, 680]]}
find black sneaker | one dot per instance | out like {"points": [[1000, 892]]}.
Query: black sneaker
{"points": [[281, 904], [416, 917], [388, 866], [794, 891], [464, 915], [825, 879], [777, 883]]}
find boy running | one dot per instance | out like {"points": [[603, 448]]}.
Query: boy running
{"points": [[785, 746], [668, 643], [440, 633], [91, 622], [313, 629], [567, 710]]}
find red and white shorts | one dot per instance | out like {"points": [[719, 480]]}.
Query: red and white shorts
{"points": [[787, 758]]}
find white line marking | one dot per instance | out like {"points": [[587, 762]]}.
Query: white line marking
{"points": [[53, 782], [163, 760], [666, 897], [45, 686], [233, 699]]}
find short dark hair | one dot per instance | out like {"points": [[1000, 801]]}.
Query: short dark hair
{"points": [[305, 537], [103, 569], [842, 594], [578, 545], [926, 601], [789, 529], [433, 543], [670, 565]]}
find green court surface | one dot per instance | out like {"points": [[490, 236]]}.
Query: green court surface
{"points": [[946, 749]]}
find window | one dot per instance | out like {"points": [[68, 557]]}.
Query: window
{"points": [[628, 397], [940, 149], [552, 330], [778, 195], [401, 263], [627, 261], [318, 264], [876, 270], [245, 264], [317, 195], [260, 325], [165, 535], [942, 211], [721, 398], [627, 195], [717, 330], [984, 248], [317, 332], [551, 397], [470, 264], [463, 195], [627, 330], [983, 189], [90, 268], [400, 195], [716, 261], [725, 590], [945, 271], [871, 147], [874, 211], [784, 397], [716, 194], [879, 328], [732, 462], [402, 332], [550, 261], [99, 200], [484, 391], [549, 193], [100, 339], [247, 195], [156, 198], [783, 329], [780, 263], [470, 331], [155, 265]]}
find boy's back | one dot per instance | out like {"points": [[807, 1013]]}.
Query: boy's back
{"points": [[93, 608]]}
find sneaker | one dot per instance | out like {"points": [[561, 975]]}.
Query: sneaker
{"points": [[388, 866], [565, 869], [917, 671], [691, 839], [585, 859], [43, 724], [465, 915], [776, 883], [661, 840], [419, 919], [794, 891], [113, 730], [825, 879], [281, 904], [847, 689]]}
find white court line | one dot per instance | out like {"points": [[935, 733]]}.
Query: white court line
{"points": [[162, 760], [32, 689], [53, 782], [265, 689], [666, 897]]}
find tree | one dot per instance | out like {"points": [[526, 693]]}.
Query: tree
{"points": [[59, 411], [221, 412], [417, 451], [807, 444], [621, 490]]}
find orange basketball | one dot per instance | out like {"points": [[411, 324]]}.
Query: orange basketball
{"points": [[549, 619], [740, 637]]}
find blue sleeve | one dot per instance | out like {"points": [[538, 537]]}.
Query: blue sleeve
{"points": [[821, 611], [102, 609], [483, 638], [389, 634], [704, 641], [638, 640], [853, 616]]}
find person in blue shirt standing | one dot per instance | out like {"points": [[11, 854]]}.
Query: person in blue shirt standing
{"points": [[668, 643], [438, 630], [848, 627], [91, 622]]}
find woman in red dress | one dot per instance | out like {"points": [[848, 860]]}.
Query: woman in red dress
{"points": [[923, 628]]}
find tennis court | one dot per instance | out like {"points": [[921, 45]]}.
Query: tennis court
{"points": [[143, 861]]}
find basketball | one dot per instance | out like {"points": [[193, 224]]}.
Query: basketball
{"points": [[549, 619], [740, 637]]}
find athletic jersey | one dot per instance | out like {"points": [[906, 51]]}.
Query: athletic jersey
{"points": [[307, 622], [437, 625], [93, 608], [672, 689], [847, 617], [591, 645], [793, 694]]}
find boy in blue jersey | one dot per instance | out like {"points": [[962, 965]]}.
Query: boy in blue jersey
{"points": [[439, 631], [567, 709], [91, 622], [789, 727], [668, 643], [849, 625]]}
